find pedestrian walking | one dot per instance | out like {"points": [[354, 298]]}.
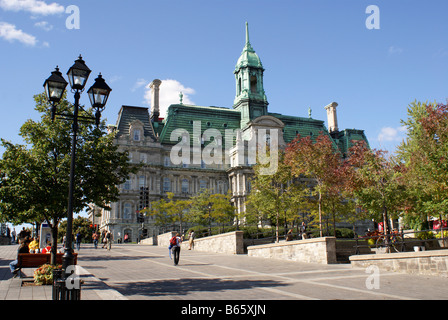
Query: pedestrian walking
{"points": [[109, 239], [13, 234], [95, 239], [303, 230], [175, 243], [78, 239], [103, 238], [191, 240], [289, 236]]}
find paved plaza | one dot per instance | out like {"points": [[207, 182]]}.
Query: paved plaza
{"points": [[143, 272]]}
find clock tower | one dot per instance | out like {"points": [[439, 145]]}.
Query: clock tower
{"points": [[250, 97]]}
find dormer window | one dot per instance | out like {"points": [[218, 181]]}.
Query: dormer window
{"points": [[137, 134], [136, 130]]}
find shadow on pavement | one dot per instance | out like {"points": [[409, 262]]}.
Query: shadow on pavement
{"points": [[186, 286]]}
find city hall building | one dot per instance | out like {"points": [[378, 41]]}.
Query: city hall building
{"points": [[200, 147]]}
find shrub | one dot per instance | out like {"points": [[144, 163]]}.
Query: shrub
{"points": [[44, 274], [445, 234], [425, 235], [345, 233]]}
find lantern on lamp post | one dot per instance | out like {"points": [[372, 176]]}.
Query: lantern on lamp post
{"points": [[54, 89]]}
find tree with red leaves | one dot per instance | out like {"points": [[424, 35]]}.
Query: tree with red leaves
{"points": [[321, 161]]}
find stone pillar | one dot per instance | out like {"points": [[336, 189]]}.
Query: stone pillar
{"points": [[154, 86], [332, 117]]}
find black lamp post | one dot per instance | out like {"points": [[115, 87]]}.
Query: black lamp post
{"points": [[99, 92]]}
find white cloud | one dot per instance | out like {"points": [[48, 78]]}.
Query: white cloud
{"points": [[44, 25], [139, 83], [10, 33], [169, 94], [115, 78], [388, 134], [395, 50], [32, 6]]}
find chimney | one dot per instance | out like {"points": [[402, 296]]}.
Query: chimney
{"points": [[154, 86], [332, 117]]}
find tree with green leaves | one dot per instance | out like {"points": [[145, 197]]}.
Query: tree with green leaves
{"points": [[223, 211], [208, 208], [425, 156], [34, 178], [177, 209]]}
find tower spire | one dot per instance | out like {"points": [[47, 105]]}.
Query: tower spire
{"points": [[248, 47]]}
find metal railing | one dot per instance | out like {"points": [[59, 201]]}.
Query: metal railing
{"points": [[396, 241]]}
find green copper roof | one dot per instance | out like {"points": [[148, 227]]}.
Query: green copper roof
{"points": [[183, 116], [248, 57], [345, 139]]}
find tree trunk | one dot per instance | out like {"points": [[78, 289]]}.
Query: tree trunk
{"points": [[320, 214], [277, 227], [385, 228], [54, 244], [334, 223]]}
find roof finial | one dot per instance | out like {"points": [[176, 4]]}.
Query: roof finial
{"points": [[181, 97], [247, 46]]}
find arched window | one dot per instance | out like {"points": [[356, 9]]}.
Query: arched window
{"points": [[253, 84]]}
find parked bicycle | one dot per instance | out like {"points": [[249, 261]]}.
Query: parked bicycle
{"points": [[393, 241]]}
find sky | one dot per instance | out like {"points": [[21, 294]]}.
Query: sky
{"points": [[372, 63]]}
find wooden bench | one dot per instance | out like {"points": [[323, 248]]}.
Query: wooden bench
{"points": [[35, 260]]}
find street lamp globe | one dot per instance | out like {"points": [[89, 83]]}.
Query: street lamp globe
{"points": [[55, 86], [78, 74], [98, 95]]}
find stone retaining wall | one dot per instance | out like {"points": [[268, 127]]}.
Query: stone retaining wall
{"points": [[315, 250], [228, 243], [433, 262]]}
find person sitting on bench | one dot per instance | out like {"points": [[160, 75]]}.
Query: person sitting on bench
{"points": [[47, 249], [23, 248]]}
